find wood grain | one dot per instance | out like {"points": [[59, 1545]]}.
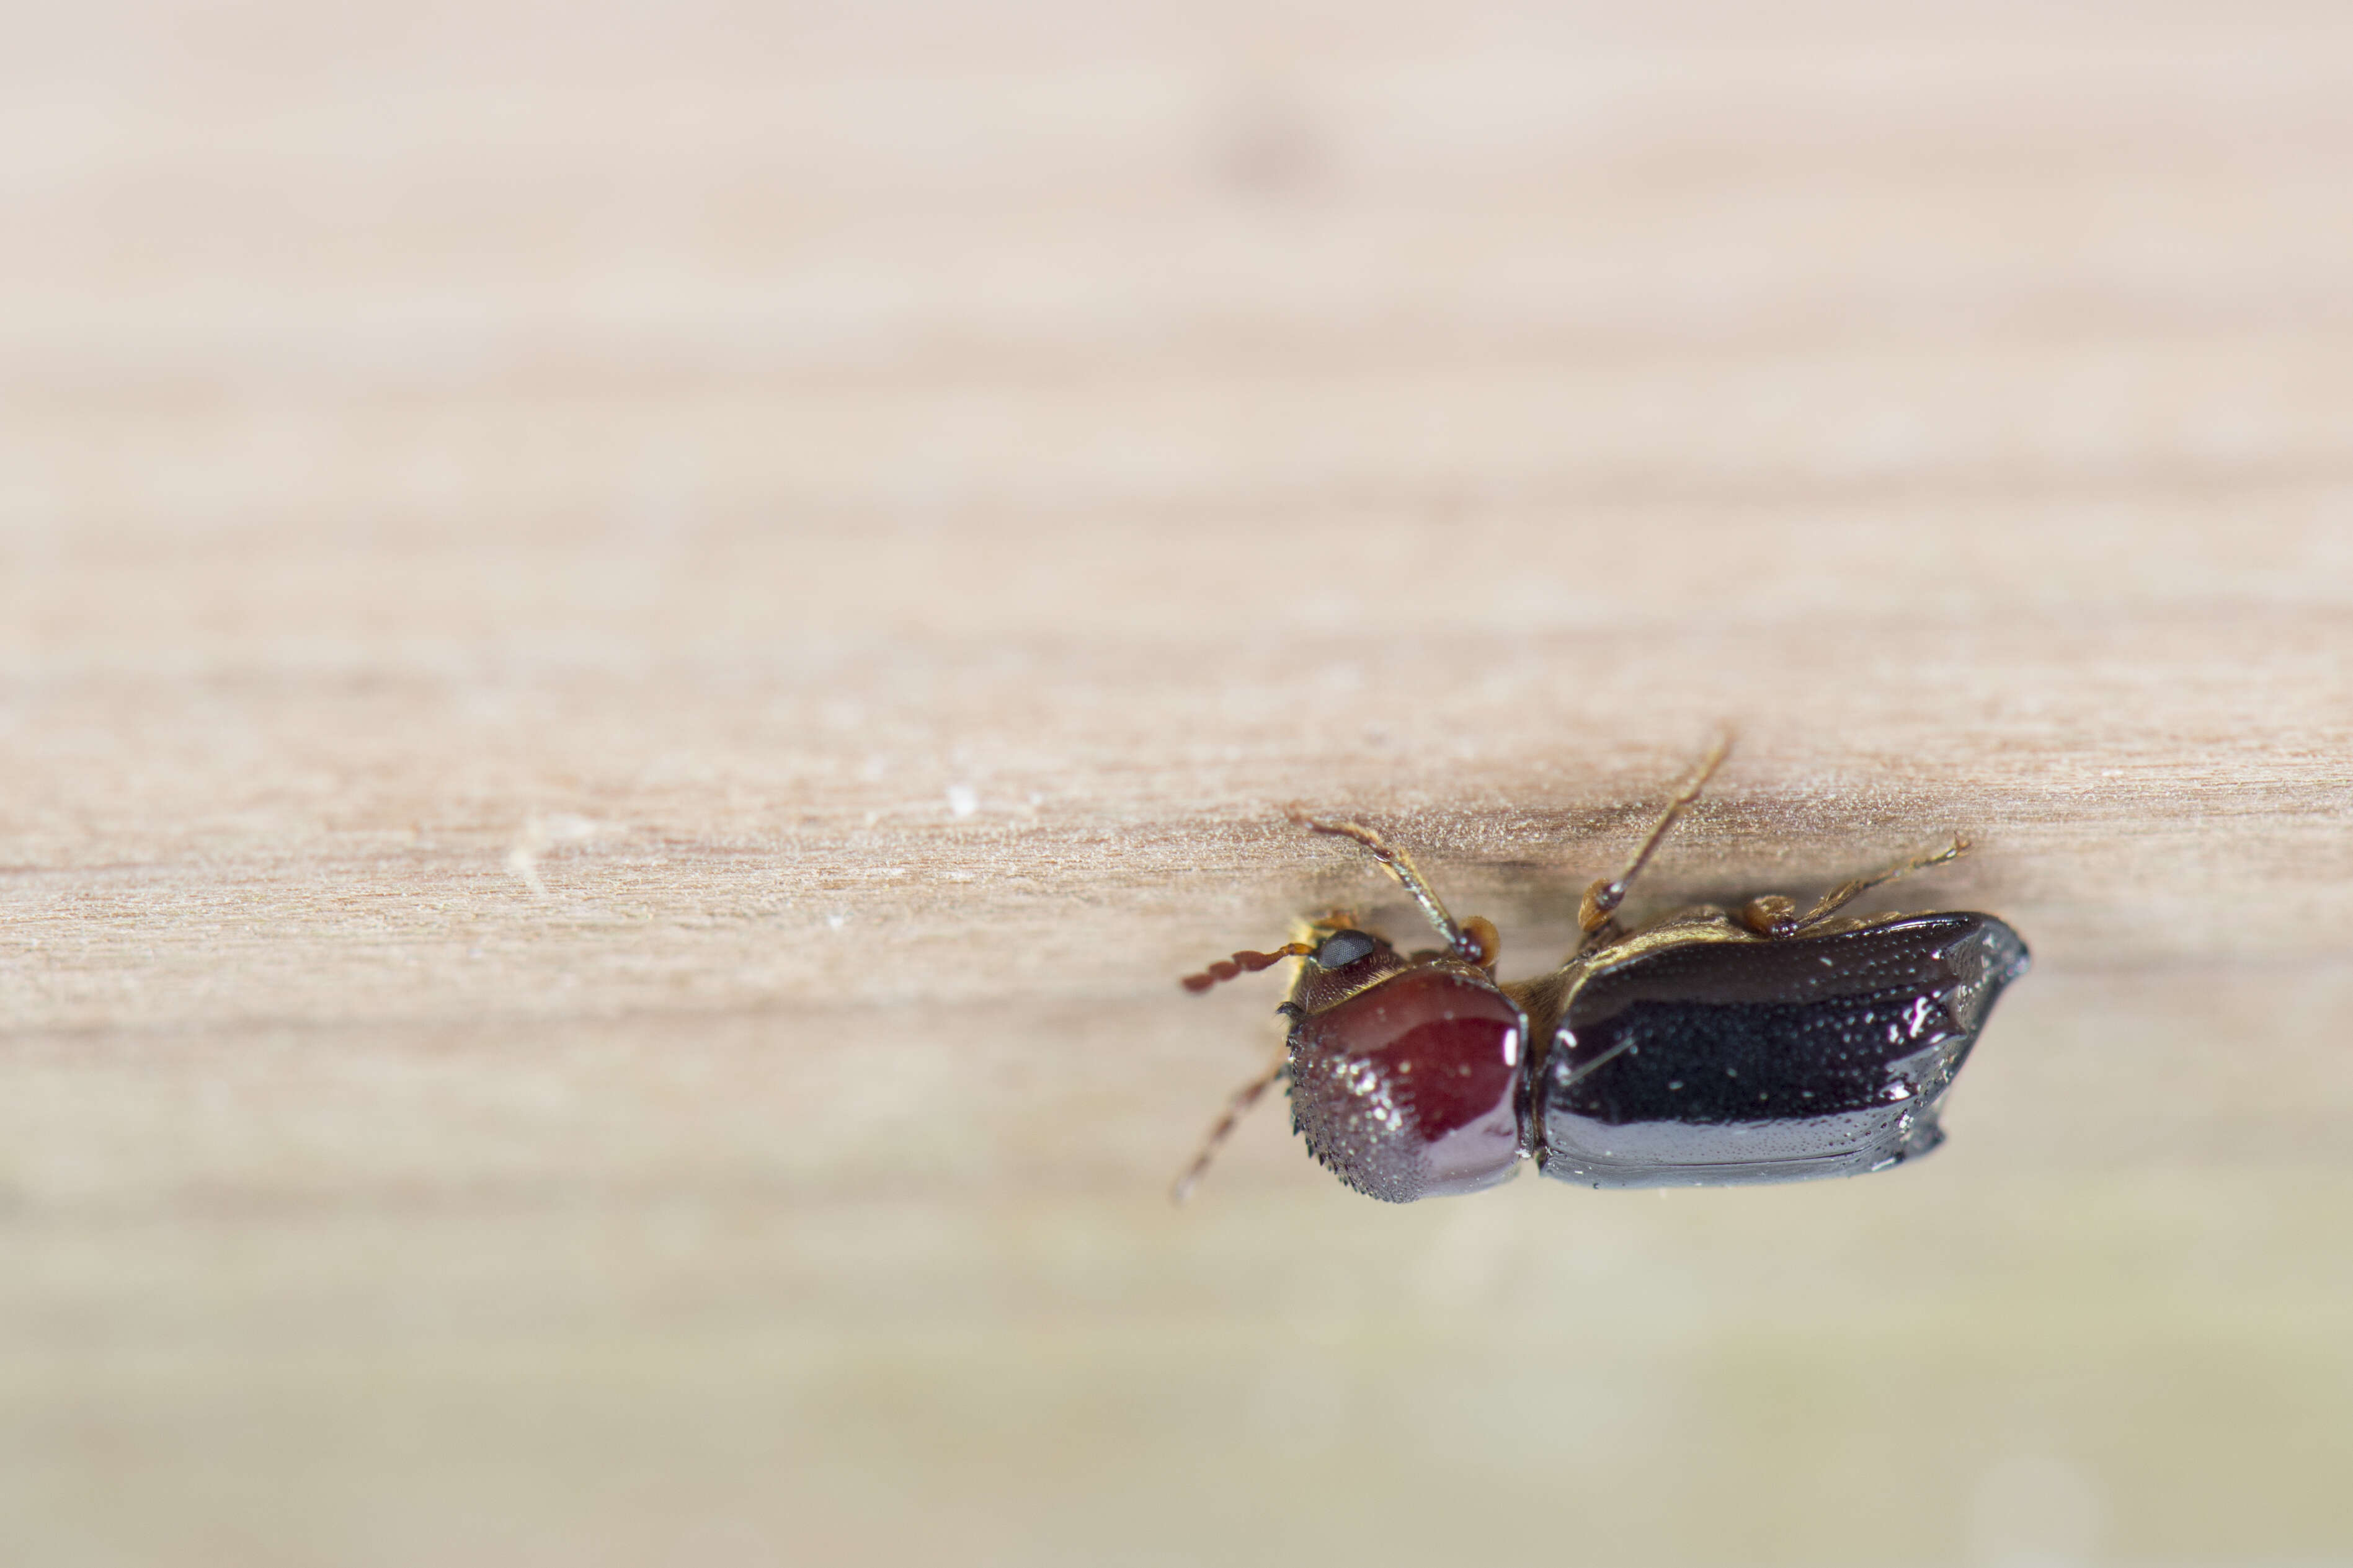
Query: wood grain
{"points": [[634, 646]]}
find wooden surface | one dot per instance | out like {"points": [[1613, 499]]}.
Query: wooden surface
{"points": [[635, 644]]}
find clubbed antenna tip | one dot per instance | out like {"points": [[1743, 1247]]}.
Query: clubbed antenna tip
{"points": [[1241, 964]]}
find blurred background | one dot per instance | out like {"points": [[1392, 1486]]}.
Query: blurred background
{"points": [[635, 642]]}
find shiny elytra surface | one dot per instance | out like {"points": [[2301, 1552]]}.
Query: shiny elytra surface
{"points": [[1411, 1090], [1719, 1062]]}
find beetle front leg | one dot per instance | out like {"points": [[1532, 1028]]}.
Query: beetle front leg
{"points": [[1473, 940], [1237, 1107]]}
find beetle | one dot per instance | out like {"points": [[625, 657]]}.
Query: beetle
{"points": [[1708, 1047]]}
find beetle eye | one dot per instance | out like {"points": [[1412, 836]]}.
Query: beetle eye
{"points": [[1343, 948]]}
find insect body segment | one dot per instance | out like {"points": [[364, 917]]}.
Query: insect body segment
{"points": [[1735, 1057], [1411, 1086], [1699, 1050]]}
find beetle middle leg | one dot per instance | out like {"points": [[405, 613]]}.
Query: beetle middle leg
{"points": [[1595, 913], [1777, 916]]}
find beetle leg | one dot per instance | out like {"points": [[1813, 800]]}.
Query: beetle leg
{"points": [[1602, 899], [1774, 914], [1236, 1108], [1472, 948]]}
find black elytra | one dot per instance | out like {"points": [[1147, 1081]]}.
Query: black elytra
{"points": [[1706, 1048]]}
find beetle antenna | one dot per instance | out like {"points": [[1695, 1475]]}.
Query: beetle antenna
{"points": [[1399, 865], [1602, 899], [1244, 964], [1236, 1108]]}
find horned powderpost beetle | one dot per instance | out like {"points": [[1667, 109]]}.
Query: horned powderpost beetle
{"points": [[1706, 1048]]}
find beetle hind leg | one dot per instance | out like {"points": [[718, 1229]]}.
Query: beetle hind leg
{"points": [[1775, 916]]}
